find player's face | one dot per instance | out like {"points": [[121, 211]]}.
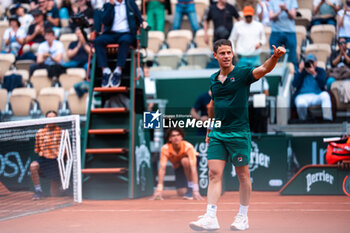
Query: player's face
{"points": [[175, 137], [224, 56]]}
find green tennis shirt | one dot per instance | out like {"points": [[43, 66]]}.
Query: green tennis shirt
{"points": [[231, 99]]}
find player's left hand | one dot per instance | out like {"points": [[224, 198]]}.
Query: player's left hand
{"points": [[278, 52], [197, 196]]}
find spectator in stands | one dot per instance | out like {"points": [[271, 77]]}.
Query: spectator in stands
{"points": [[340, 62], [82, 7], [121, 20], [156, 13], [47, 142], [51, 12], [248, 36], [185, 7], [33, 4], [222, 14], [310, 82], [78, 52], [50, 55], [35, 34], [325, 11], [13, 37], [282, 16], [262, 11], [182, 155], [25, 19], [200, 110], [343, 21]]}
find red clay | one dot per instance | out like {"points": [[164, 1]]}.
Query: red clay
{"points": [[269, 212]]}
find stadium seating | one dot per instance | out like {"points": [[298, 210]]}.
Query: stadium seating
{"points": [[31, 48], [66, 39], [39, 82], [201, 6], [321, 51], [6, 60], [68, 80], [77, 71], [40, 72], [155, 40], [23, 73], [3, 99], [307, 4], [334, 89], [199, 39], [304, 17], [50, 99], [322, 34], [169, 57], [24, 64], [179, 39], [301, 36], [77, 105], [21, 101], [198, 56]]}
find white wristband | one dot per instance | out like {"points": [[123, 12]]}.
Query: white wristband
{"points": [[195, 187]]}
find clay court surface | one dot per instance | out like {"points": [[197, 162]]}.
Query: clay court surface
{"points": [[269, 212]]}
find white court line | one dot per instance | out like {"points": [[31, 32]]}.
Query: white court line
{"points": [[268, 203], [201, 210]]}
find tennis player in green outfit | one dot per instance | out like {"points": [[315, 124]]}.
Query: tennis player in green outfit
{"points": [[232, 141]]}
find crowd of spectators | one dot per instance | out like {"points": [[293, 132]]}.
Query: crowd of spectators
{"points": [[243, 22]]}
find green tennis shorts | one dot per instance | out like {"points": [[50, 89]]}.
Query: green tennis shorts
{"points": [[230, 146]]}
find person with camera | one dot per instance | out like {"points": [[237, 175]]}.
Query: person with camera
{"points": [[222, 14], [310, 82], [121, 19]]}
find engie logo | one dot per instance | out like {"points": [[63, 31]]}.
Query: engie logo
{"points": [[152, 120], [318, 177]]}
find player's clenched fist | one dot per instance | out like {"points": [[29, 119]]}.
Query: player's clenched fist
{"points": [[278, 52]]}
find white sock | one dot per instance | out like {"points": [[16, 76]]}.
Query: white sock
{"points": [[190, 184], [211, 210], [106, 70], [37, 188], [117, 70], [243, 210]]}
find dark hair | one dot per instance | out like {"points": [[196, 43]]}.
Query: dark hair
{"points": [[170, 131], [50, 111], [49, 30], [221, 42]]}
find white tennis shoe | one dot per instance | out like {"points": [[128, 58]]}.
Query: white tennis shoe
{"points": [[205, 222], [240, 223]]}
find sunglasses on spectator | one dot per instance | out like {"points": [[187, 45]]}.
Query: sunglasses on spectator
{"points": [[248, 17], [342, 42]]}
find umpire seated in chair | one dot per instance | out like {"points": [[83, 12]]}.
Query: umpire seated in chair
{"points": [[121, 20]]}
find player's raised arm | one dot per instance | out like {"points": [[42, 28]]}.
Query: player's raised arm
{"points": [[265, 68]]}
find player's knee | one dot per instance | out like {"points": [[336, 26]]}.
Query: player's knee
{"points": [[214, 175], [34, 166], [244, 179]]}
